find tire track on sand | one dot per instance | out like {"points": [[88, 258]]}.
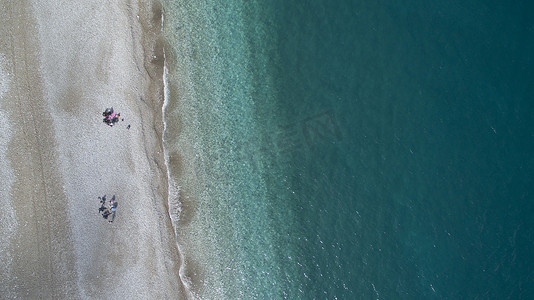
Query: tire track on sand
{"points": [[43, 256]]}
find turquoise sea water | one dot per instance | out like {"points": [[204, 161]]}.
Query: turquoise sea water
{"points": [[352, 150]]}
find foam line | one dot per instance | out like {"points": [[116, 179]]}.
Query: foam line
{"points": [[173, 197]]}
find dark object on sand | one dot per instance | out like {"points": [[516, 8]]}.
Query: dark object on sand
{"points": [[107, 112], [108, 209], [128, 127], [103, 204], [113, 210], [110, 117]]}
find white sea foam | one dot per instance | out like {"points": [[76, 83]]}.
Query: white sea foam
{"points": [[8, 222], [175, 206]]}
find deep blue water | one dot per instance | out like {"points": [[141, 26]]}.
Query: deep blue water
{"points": [[393, 143]]}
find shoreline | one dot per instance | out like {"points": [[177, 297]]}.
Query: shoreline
{"points": [[174, 206], [156, 61], [85, 55]]}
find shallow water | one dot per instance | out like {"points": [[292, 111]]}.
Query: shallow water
{"points": [[341, 149]]}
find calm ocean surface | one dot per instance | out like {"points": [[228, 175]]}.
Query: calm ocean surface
{"points": [[353, 149]]}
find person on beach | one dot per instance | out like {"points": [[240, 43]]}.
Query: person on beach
{"points": [[102, 204], [102, 208], [107, 112], [113, 211], [110, 117], [108, 210], [113, 207]]}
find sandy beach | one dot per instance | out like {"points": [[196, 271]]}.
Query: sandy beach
{"points": [[61, 64]]}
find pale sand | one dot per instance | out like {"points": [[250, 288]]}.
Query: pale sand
{"points": [[65, 62]]}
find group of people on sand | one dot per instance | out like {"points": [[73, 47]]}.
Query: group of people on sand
{"points": [[108, 209], [110, 117]]}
